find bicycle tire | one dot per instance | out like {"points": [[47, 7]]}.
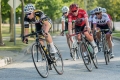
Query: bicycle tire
{"points": [[93, 57], [55, 65], [106, 58], [89, 61], [38, 57], [108, 55], [77, 51], [73, 53]]}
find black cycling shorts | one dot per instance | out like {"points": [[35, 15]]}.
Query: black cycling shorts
{"points": [[66, 26], [79, 28], [103, 27]]}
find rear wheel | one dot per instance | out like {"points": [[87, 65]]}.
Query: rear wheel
{"points": [[57, 61]]}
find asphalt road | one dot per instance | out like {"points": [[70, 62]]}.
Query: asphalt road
{"points": [[73, 70]]}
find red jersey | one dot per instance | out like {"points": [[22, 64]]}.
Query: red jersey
{"points": [[79, 19], [109, 17]]}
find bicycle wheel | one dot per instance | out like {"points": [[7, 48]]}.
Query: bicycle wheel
{"points": [[86, 58], [106, 57], [58, 64], [40, 61], [77, 51], [73, 53], [93, 57]]}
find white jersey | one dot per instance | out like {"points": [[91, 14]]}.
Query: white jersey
{"points": [[105, 18], [91, 18]]}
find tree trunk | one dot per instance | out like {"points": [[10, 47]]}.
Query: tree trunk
{"points": [[22, 19], [1, 41], [12, 26]]}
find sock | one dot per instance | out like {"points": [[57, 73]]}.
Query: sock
{"points": [[110, 50], [53, 47], [93, 43]]}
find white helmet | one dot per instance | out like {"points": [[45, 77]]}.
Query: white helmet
{"points": [[65, 9], [98, 9], [91, 12], [29, 8], [104, 10]]}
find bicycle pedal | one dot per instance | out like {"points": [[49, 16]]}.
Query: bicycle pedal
{"points": [[50, 68]]}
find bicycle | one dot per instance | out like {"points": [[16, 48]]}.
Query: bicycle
{"points": [[85, 46], [97, 42], [74, 53], [43, 59], [105, 46]]}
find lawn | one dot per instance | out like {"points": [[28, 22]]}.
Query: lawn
{"points": [[116, 34], [19, 44], [10, 45]]}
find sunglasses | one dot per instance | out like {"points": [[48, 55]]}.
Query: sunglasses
{"points": [[74, 11], [97, 13], [65, 13]]}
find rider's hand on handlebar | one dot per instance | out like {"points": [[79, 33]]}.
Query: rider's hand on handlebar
{"points": [[25, 40], [62, 33]]}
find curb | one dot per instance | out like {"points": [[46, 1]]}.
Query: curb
{"points": [[116, 38], [6, 61]]}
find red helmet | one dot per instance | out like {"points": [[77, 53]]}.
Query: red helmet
{"points": [[73, 7]]}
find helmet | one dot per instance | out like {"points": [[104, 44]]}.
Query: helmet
{"points": [[73, 7], [29, 8], [104, 10], [91, 12], [98, 9], [65, 9]]}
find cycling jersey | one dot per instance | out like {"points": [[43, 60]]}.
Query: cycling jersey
{"points": [[91, 20], [103, 21], [79, 19], [40, 17], [109, 17], [65, 19]]}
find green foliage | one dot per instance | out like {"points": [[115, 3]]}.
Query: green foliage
{"points": [[53, 7]]}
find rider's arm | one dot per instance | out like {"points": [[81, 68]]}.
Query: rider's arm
{"points": [[70, 24], [94, 23], [63, 23], [26, 25], [108, 22], [46, 26], [86, 19]]}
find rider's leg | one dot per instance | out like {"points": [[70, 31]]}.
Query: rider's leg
{"points": [[68, 41], [49, 38], [90, 38], [108, 38]]}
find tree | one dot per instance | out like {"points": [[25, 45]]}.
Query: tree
{"points": [[1, 41], [22, 22], [12, 26]]}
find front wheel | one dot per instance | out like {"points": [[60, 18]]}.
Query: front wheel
{"points": [[40, 61], [86, 56]]}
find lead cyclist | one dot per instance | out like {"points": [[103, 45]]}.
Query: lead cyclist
{"points": [[41, 22]]}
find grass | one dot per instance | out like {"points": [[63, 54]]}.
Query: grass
{"points": [[116, 34], [10, 45], [19, 44]]}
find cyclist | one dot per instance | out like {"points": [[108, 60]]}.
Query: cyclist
{"points": [[64, 20], [102, 21], [41, 22], [81, 24], [91, 19], [105, 11]]}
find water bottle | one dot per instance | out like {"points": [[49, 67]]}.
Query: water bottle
{"points": [[45, 49], [90, 48]]}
